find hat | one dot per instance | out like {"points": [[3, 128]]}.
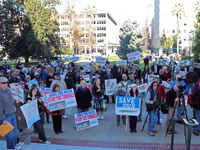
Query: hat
{"points": [[20, 82], [119, 85], [133, 85], [124, 75], [2, 71], [3, 79], [27, 76], [36, 73]]}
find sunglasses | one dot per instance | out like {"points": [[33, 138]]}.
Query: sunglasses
{"points": [[137, 82], [4, 82], [155, 85]]}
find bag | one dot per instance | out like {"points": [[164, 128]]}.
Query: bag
{"points": [[151, 107], [164, 108]]}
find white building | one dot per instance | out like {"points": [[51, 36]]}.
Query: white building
{"points": [[164, 22], [103, 26]]}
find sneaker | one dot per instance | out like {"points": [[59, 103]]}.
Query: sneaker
{"points": [[196, 133], [64, 116], [101, 117], [98, 117], [154, 131], [40, 141], [47, 142], [151, 134], [18, 147]]}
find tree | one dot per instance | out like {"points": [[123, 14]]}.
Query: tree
{"points": [[178, 11], [130, 39]]}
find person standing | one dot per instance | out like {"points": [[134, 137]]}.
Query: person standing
{"points": [[7, 113]]}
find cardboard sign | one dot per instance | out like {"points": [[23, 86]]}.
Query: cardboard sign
{"points": [[129, 106], [142, 88], [50, 70], [86, 77], [184, 63], [121, 63], [60, 100], [100, 60], [31, 82], [110, 86], [31, 113], [5, 129], [17, 92], [163, 62], [86, 120], [44, 91], [73, 59], [150, 78], [133, 56]]}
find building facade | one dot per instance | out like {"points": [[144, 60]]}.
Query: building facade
{"points": [[164, 22], [99, 33]]}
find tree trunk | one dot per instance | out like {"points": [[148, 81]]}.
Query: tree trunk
{"points": [[26, 60], [178, 17]]}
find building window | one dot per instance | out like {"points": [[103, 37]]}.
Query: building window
{"points": [[173, 31]]}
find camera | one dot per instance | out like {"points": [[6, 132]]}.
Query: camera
{"points": [[181, 89]]}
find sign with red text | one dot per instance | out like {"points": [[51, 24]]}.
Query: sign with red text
{"points": [[60, 100], [86, 120], [133, 56], [45, 91]]}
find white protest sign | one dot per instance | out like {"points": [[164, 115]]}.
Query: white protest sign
{"points": [[86, 77], [121, 63], [163, 61], [184, 63], [60, 100], [44, 91], [100, 60], [31, 113], [165, 84], [110, 86], [142, 88], [127, 106], [150, 78], [133, 56], [31, 82], [17, 92], [73, 59], [86, 120]]}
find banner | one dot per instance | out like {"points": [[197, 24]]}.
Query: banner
{"points": [[133, 56], [31, 82], [60, 100], [31, 113], [100, 60], [121, 63], [17, 92], [129, 106], [73, 59], [110, 86], [86, 77], [150, 78], [50, 70], [184, 63], [163, 62], [142, 88], [44, 91], [86, 120]]}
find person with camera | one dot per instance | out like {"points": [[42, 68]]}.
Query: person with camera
{"points": [[152, 100], [179, 81], [172, 100]]}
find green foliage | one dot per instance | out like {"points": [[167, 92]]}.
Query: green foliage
{"points": [[113, 58], [166, 42], [66, 50], [130, 39]]}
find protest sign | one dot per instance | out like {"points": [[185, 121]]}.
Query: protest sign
{"points": [[121, 63], [163, 61], [142, 88], [110, 86], [86, 77], [30, 83], [5, 129], [184, 63], [44, 91], [88, 85], [31, 113], [86, 120], [60, 100], [127, 106], [133, 56], [73, 59], [17, 92], [100, 60], [50, 70], [150, 78], [165, 84]]}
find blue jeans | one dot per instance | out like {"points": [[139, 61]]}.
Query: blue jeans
{"points": [[179, 113], [190, 86], [11, 137], [197, 116], [151, 123], [98, 104]]}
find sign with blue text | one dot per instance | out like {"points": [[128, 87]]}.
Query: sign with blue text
{"points": [[31, 82], [133, 56], [129, 106]]}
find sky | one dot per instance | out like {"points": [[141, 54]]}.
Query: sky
{"points": [[120, 10]]}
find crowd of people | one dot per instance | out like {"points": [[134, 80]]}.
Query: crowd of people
{"points": [[183, 81]]}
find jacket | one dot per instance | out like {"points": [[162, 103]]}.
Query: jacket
{"points": [[171, 95]]}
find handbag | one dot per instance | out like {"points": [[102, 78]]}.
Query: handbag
{"points": [[164, 108], [151, 107]]}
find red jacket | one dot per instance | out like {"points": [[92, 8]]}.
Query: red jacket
{"points": [[161, 90], [168, 75]]}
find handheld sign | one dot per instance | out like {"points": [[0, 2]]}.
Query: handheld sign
{"points": [[5, 129], [110, 86], [73, 59], [100, 60], [121, 63], [17, 92], [86, 120], [50, 70], [86, 77], [127, 106], [31, 82], [163, 61], [44, 91], [151, 77], [142, 88], [133, 56], [184, 63]]}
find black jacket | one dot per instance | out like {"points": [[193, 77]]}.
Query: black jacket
{"points": [[83, 99], [171, 95]]}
